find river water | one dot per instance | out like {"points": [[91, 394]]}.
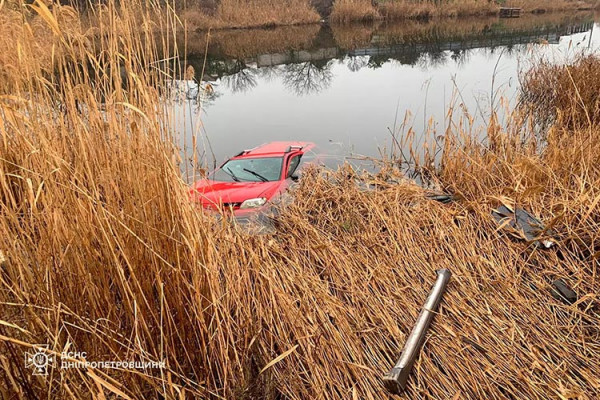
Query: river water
{"points": [[349, 88]]}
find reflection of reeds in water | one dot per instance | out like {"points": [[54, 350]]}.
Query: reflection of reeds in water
{"points": [[361, 35], [351, 36], [247, 43]]}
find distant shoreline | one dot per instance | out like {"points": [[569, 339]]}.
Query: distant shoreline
{"points": [[261, 13]]}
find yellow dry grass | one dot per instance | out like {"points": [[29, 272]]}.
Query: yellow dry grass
{"points": [[345, 11], [561, 94], [252, 13], [542, 6], [406, 9], [106, 255]]}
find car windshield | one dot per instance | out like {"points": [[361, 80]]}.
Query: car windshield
{"points": [[250, 170]]}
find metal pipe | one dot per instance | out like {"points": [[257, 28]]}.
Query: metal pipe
{"points": [[395, 380]]}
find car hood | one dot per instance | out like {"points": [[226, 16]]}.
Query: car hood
{"points": [[212, 192]]}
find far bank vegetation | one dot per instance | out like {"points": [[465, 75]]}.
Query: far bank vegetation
{"points": [[344, 11], [249, 13], [220, 14]]}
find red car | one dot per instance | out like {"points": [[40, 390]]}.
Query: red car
{"points": [[247, 182]]}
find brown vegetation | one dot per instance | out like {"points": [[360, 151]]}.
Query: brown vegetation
{"points": [[106, 255], [349, 36], [238, 44], [544, 6], [251, 13], [407, 9], [345, 11], [564, 94], [251, 42]]}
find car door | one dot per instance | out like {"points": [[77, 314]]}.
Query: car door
{"points": [[292, 165]]}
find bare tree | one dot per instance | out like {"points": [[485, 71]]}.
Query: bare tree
{"points": [[356, 63], [241, 81], [307, 77]]}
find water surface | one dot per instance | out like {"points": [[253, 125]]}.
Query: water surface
{"points": [[348, 88]]}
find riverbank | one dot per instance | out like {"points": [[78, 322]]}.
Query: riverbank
{"points": [[314, 38], [345, 11], [249, 14], [106, 257], [268, 13]]}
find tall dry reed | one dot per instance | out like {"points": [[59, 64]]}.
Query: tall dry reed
{"points": [[104, 253], [564, 94], [252, 13]]}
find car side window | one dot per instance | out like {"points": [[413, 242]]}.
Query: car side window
{"points": [[294, 162]]}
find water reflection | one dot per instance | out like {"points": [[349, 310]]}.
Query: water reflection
{"points": [[352, 85], [307, 77], [237, 57], [241, 81], [192, 93], [356, 63]]}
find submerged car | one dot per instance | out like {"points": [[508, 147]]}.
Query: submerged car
{"points": [[249, 181]]}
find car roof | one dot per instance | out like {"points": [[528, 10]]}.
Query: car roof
{"points": [[273, 149]]}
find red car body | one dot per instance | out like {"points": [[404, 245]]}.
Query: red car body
{"points": [[248, 182]]}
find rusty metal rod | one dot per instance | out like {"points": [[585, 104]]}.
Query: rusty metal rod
{"points": [[395, 380]]}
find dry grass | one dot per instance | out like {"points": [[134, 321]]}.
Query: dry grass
{"points": [[105, 254], [406, 9], [36, 38], [543, 6], [252, 13], [564, 94], [423, 9], [267, 12], [466, 7], [345, 11]]}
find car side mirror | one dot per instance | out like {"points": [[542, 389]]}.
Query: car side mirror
{"points": [[294, 177]]}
